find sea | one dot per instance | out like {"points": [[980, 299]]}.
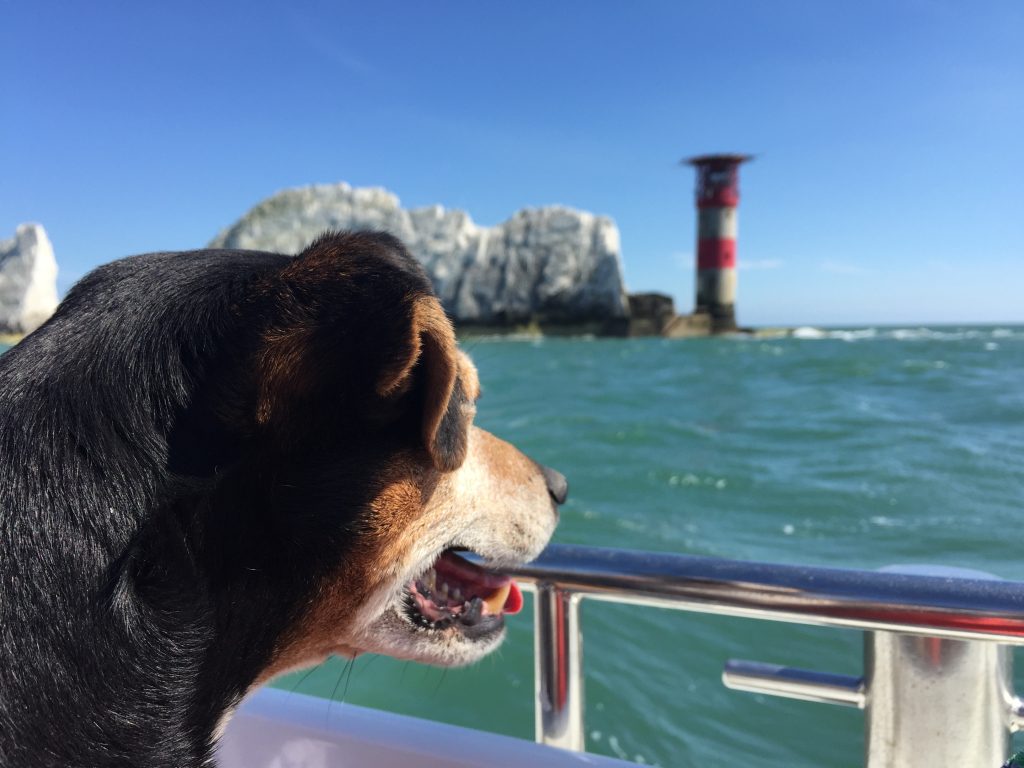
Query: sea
{"points": [[853, 448]]}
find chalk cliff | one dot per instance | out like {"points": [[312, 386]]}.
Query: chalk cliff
{"points": [[553, 266], [28, 280]]}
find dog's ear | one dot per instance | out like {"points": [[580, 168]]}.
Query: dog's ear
{"points": [[428, 360], [352, 333]]}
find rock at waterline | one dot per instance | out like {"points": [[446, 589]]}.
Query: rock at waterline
{"points": [[554, 266], [28, 280]]}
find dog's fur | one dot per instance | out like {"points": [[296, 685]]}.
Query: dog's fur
{"points": [[218, 466]]}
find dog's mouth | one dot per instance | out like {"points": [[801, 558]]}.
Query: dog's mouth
{"points": [[457, 595]]}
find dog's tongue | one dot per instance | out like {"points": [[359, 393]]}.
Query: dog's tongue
{"points": [[499, 593], [514, 601]]}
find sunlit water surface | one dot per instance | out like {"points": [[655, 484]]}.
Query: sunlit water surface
{"points": [[857, 448]]}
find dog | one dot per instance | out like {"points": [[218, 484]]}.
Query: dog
{"points": [[218, 466]]}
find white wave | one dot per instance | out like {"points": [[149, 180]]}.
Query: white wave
{"points": [[856, 335], [932, 334], [472, 338], [807, 332], [921, 333]]}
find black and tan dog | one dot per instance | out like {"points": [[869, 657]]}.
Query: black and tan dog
{"points": [[218, 466]]}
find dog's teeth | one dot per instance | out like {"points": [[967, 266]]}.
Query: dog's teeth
{"points": [[443, 591], [457, 595], [431, 579], [496, 602]]}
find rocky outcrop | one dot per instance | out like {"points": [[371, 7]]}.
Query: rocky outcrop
{"points": [[553, 266], [28, 280], [650, 313]]}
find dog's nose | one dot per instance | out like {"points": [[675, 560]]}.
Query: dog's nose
{"points": [[558, 486]]}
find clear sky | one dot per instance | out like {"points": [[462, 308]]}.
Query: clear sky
{"points": [[887, 188]]}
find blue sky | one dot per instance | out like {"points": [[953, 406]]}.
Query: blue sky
{"points": [[888, 184]]}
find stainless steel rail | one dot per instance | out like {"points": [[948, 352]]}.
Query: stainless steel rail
{"points": [[953, 615]]}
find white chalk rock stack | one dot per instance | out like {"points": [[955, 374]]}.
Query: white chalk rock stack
{"points": [[28, 280], [551, 265]]}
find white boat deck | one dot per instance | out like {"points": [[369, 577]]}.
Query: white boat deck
{"points": [[278, 729]]}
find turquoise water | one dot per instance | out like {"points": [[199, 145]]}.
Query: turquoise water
{"points": [[854, 448]]}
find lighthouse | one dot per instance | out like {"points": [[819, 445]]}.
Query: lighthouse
{"points": [[718, 195]]}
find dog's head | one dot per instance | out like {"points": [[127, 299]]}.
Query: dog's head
{"points": [[218, 466], [360, 475]]}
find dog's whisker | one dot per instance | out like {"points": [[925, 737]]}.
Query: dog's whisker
{"points": [[345, 669], [348, 679], [437, 688], [304, 678]]}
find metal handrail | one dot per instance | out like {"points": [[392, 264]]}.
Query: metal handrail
{"points": [[946, 607], [966, 609]]}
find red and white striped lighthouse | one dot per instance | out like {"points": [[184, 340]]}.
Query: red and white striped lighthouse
{"points": [[718, 194]]}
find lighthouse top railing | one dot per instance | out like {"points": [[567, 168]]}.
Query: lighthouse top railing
{"points": [[718, 179], [721, 159]]}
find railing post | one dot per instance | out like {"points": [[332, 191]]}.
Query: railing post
{"points": [[936, 702], [558, 668], [933, 701]]}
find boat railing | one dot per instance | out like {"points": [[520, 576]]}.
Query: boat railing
{"points": [[936, 688]]}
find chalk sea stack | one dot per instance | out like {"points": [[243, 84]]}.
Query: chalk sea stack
{"points": [[552, 268], [28, 280]]}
